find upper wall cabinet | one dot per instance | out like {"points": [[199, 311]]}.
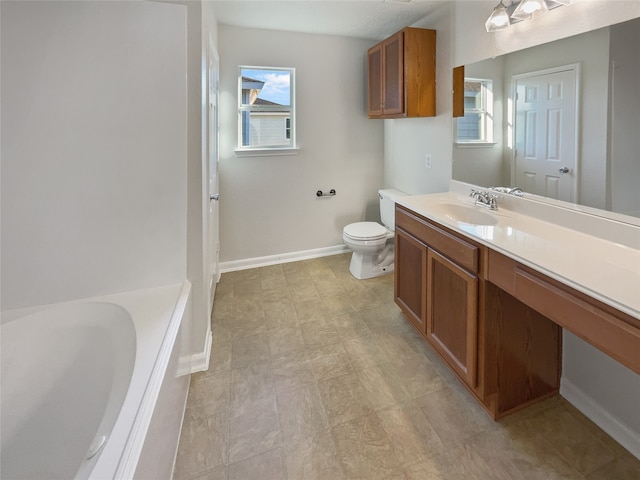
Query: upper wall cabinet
{"points": [[402, 75]]}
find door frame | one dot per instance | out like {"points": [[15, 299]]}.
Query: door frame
{"points": [[212, 259], [511, 121]]}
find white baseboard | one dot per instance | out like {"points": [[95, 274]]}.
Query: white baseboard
{"points": [[198, 362], [622, 434], [281, 258]]}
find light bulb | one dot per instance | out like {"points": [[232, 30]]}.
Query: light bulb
{"points": [[528, 8], [531, 6], [499, 19]]}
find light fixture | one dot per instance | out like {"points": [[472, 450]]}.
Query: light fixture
{"points": [[499, 19], [527, 8], [518, 10]]}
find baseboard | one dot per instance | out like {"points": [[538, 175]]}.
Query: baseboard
{"points": [[281, 258], [198, 362], [626, 437]]}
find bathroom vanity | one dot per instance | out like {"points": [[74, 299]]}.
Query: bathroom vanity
{"points": [[491, 291]]}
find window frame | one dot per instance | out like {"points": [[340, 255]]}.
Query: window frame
{"points": [[486, 113], [290, 148]]}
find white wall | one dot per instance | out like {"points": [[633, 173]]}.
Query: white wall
{"points": [[408, 140], [268, 205], [603, 389], [93, 165], [473, 43], [201, 24], [593, 392]]}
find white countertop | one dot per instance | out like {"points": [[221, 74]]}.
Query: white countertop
{"points": [[599, 267]]}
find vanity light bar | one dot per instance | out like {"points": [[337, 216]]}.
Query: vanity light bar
{"points": [[518, 10]]}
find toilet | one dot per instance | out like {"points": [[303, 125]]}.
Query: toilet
{"points": [[373, 244]]}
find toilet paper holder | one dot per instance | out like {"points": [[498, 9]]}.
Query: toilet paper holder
{"points": [[331, 193]]}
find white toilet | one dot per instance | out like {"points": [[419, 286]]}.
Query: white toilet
{"points": [[373, 244]]}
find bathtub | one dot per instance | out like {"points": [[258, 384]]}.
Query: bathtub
{"points": [[80, 382]]}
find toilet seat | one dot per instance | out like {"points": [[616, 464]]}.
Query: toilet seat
{"points": [[369, 231]]}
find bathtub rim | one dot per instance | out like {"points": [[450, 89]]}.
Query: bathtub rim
{"points": [[133, 448]]}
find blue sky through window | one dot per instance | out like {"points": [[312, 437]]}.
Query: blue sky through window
{"points": [[277, 86]]}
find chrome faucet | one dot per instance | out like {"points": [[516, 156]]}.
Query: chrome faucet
{"points": [[485, 199], [517, 191]]}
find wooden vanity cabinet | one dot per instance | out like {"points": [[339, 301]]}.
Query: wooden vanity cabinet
{"points": [[506, 353], [402, 75], [437, 289], [410, 280], [452, 314]]}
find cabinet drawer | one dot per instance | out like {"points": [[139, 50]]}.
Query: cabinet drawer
{"points": [[610, 333], [465, 254], [501, 271], [604, 327]]}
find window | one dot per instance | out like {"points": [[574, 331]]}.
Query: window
{"points": [[266, 113], [477, 124]]}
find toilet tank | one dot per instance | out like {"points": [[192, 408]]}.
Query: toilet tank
{"points": [[388, 206]]}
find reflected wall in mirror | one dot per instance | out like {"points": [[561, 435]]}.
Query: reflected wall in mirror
{"points": [[605, 142]]}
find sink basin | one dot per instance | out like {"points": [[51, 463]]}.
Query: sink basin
{"points": [[464, 214]]}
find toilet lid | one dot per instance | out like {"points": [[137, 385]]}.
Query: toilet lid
{"points": [[365, 231]]}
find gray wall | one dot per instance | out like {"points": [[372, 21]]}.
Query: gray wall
{"points": [[93, 166], [268, 204]]}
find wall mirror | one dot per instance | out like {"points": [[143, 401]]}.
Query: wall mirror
{"points": [[565, 121]]}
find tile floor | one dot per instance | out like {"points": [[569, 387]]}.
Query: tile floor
{"points": [[316, 375]]}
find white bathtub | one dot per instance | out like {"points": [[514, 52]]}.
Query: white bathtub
{"points": [[80, 382]]}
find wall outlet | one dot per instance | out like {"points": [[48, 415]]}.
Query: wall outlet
{"points": [[427, 160]]}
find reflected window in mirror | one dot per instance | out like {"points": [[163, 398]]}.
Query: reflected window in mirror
{"points": [[476, 127]]}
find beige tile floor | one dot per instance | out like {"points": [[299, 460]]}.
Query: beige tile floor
{"points": [[317, 375]]}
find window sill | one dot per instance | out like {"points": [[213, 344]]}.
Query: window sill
{"points": [[265, 152], [475, 144]]}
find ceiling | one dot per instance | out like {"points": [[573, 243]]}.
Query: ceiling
{"points": [[371, 19]]}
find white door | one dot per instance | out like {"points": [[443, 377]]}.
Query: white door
{"points": [[213, 190], [545, 133]]}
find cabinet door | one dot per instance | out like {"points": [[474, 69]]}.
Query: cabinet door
{"points": [[452, 314], [410, 278], [458, 91], [393, 74], [375, 81]]}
